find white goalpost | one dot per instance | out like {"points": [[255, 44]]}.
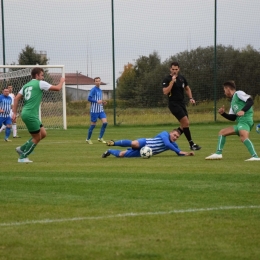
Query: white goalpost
{"points": [[52, 111]]}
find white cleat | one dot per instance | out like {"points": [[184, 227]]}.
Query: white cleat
{"points": [[24, 160], [101, 140], [252, 159], [88, 141], [214, 156]]}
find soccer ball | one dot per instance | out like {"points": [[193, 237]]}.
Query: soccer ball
{"points": [[258, 128], [146, 152]]}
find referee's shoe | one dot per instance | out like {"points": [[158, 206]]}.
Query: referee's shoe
{"points": [[195, 147]]}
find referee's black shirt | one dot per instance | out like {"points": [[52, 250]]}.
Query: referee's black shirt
{"points": [[177, 92]]}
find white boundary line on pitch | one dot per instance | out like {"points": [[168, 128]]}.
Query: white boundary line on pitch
{"points": [[46, 221]]}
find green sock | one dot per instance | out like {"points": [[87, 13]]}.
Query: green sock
{"points": [[28, 149], [23, 147], [250, 147], [221, 143]]}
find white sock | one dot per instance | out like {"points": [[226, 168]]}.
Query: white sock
{"points": [[2, 128], [14, 129]]}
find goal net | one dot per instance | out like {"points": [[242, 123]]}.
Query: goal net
{"points": [[52, 111]]}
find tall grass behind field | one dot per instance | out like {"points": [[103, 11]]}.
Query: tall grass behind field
{"points": [[203, 112]]}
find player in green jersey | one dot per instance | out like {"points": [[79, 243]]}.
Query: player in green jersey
{"points": [[241, 111], [31, 93]]}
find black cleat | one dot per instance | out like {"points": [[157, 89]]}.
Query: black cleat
{"points": [[105, 154], [195, 147]]}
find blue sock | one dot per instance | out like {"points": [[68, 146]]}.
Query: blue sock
{"points": [[7, 132], [123, 143], [90, 130], [115, 152], [102, 130]]}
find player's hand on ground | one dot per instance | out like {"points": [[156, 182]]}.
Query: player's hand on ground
{"points": [[222, 110]]}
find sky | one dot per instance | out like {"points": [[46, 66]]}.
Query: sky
{"points": [[78, 33]]}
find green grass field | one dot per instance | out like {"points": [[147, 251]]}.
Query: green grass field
{"points": [[72, 204]]}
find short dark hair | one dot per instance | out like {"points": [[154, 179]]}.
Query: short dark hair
{"points": [[36, 71], [175, 63], [96, 78], [231, 84], [177, 130]]}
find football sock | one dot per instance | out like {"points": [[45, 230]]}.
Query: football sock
{"points": [[123, 143], [29, 149], [90, 130], [221, 143], [102, 130], [250, 147], [181, 131], [115, 152], [2, 128], [186, 131], [7, 132], [23, 147], [14, 129]]}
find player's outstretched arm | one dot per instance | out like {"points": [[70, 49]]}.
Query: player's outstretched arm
{"points": [[186, 153], [59, 86]]}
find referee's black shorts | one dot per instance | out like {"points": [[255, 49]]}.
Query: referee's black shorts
{"points": [[178, 109]]}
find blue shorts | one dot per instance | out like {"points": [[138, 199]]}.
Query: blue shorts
{"points": [[95, 116], [5, 120], [136, 152]]}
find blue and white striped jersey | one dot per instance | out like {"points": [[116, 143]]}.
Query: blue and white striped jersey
{"points": [[5, 104], [161, 143], [95, 95]]}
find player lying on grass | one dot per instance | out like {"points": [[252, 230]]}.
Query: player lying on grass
{"points": [[241, 111], [160, 143]]}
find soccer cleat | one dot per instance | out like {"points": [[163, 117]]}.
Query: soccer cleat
{"points": [[24, 160], [214, 156], [101, 140], [17, 136], [110, 143], [105, 154], [195, 147], [89, 141], [252, 159], [8, 140], [18, 150]]}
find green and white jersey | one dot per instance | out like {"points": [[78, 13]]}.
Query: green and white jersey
{"points": [[32, 95], [238, 102]]}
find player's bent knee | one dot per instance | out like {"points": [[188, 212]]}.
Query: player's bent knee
{"points": [[135, 144], [122, 153]]}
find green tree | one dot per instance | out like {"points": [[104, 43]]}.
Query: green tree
{"points": [[29, 56]]}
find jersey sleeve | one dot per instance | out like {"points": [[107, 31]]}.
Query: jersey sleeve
{"points": [[90, 96], [44, 85], [242, 95], [21, 91], [170, 145], [166, 82]]}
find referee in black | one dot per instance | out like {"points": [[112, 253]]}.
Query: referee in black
{"points": [[174, 86]]}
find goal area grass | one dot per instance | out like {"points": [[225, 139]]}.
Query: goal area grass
{"points": [[72, 204]]}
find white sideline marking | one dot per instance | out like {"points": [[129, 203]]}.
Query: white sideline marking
{"points": [[45, 221]]}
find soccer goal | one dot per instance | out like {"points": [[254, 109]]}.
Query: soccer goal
{"points": [[53, 107]]}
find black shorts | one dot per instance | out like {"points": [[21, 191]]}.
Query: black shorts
{"points": [[178, 109]]}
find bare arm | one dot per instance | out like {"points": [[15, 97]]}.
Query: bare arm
{"points": [[59, 86], [186, 153], [168, 89], [14, 108], [189, 94]]}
